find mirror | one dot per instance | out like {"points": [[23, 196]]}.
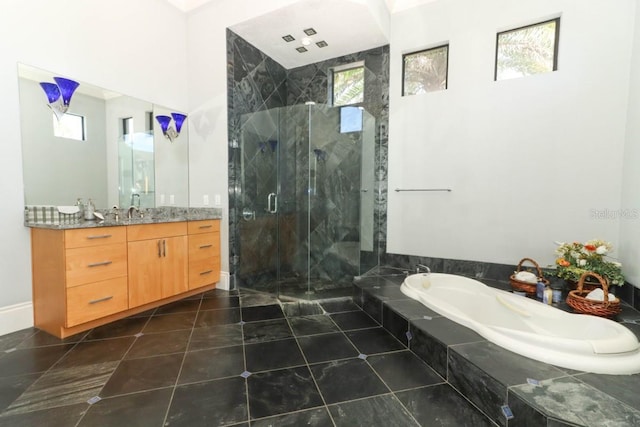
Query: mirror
{"points": [[107, 147]]}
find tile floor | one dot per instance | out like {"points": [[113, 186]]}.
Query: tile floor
{"points": [[226, 359]]}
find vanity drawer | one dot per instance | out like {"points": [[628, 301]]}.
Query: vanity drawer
{"points": [[204, 272], [203, 246], [156, 231], [204, 226], [86, 265], [87, 237], [96, 300]]}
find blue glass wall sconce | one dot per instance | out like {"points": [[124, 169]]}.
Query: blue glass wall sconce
{"points": [[59, 94], [165, 124]]}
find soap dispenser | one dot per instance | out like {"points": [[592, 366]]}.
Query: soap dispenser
{"points": [[80, 206], [89, 210]]}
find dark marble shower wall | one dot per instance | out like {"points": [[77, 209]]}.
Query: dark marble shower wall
{"points": [[257, 83]]}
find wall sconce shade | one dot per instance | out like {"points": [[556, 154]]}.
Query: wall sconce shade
{"points": [[165, 124], [59, 94]]}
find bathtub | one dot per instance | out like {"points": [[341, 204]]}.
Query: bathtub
{"points": [[528, 327]]}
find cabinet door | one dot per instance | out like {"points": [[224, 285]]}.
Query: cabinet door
{"points": [[145, 271], [174, 266]]}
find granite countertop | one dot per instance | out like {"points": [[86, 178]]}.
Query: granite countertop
{"points": [[48, 217]]}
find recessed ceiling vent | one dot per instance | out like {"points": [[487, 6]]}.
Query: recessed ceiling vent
{"points": [[322, 44], [310, 31], [288, 38], [301, 49]]}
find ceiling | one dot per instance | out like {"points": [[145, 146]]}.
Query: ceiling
{"points": [[346, 26]]}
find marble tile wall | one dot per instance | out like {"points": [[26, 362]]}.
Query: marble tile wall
{"points": [[256, 83]]}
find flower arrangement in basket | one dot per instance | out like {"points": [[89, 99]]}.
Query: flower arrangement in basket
{"points": [[575, 259], [580, 300], [527, 282]]}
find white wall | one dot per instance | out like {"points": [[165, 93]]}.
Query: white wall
{"points": [[630, 208], [528, 160], [133, 47]]}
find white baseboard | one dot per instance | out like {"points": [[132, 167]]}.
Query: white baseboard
{"points": [[224, 281], [16, 317]]}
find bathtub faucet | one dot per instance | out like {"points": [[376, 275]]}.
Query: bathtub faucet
{"points": [[422, 267]]}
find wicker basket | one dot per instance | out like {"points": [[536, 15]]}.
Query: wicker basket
{"points": [[529, 288], [576, 299]]}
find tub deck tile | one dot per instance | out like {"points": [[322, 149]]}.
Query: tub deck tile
{"points": [[490, 376]]}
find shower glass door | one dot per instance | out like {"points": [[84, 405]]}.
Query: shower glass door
{"points": [[305, 199]]}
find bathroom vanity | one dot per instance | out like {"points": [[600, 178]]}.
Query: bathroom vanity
{"points": [[86, 276]]}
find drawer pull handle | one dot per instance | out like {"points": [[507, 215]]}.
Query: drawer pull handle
{"points": [[205, 226], [98, 264], [159, 248], [206, 272], [95, 301], [205, 246], [99, 236]]}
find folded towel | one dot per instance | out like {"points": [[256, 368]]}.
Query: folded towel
{"points": [[526, 276], [598, 295]]}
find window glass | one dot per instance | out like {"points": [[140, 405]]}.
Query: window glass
{"points": [[425, 71], [348, 86], [527, 50], [69, 126]]}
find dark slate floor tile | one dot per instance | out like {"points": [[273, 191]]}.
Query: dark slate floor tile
{"points": [[181, 306], [13, 340], [158, 344], [170, 322], [220, 303], [312, 325], [301, 308], [217, 317], [375, 340], [377, 411], [344, 380], [120, 328], [42, 339], [12, 387], [339, 305], [267, 330], [282, 391], [263, 312], [403, 370], [273, 355], [63, 416], [31, 360], [143, 374], [322, 348], [91, 352], [212, 403], [312, 417], [353, 320], [215, 336], [441, 405], [62, 387], [140, 409], [220, 293], [211, 364]]}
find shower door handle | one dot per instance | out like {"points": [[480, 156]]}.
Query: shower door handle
{"points": [[272, 203]]}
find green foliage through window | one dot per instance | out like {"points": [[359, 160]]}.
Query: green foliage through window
{"points": [[348, 86], [527, 50], [425, 71]]}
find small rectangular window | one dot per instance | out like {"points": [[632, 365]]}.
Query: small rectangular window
{"points": [[348, 86], [527, 50], [425, 71], [69, 126]]}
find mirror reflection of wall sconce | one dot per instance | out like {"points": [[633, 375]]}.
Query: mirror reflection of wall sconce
{"points": [[59, 94], [165, 124]]}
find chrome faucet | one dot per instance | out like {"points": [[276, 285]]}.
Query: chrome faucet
{"points": [[422, 267], [116, 213], [131, 210]]}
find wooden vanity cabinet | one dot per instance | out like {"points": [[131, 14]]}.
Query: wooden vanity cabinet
{"points": [[204, 253], [87, 277], [78, 275], [157, 262]]}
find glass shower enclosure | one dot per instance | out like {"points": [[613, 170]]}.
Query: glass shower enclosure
{"points": [[305, 199]]}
